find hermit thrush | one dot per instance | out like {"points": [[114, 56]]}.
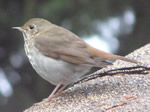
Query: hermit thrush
{"points": [[58, 55]]}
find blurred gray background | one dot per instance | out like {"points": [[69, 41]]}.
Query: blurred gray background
{"points": [[115, 26]]}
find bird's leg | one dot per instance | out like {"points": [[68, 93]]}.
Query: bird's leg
{"points": [[54, 92], [60, 90]]}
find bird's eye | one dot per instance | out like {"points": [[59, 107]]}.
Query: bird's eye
{"points": [[31, 27]]}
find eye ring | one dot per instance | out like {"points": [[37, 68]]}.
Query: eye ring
{"points": [[31, 27]]}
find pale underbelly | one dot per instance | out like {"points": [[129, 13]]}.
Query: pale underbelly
{"points": [[56, 71]]}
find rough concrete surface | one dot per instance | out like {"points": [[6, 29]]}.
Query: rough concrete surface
{"points": [[118, 93]]}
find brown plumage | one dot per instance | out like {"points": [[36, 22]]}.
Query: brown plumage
{"points": [[58, 55], [72, 49]]}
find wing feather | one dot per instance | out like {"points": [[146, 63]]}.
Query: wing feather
{"points": [[63, 44]]}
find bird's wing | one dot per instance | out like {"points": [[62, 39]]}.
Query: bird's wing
{"points": [[63, 44]]}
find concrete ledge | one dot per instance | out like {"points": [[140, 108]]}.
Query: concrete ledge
{"points": [[119, 93]]}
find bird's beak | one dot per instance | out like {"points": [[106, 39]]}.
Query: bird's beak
{"points": [[18, 28]]}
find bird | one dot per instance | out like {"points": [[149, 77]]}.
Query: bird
{"points": [[60, 56]]}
